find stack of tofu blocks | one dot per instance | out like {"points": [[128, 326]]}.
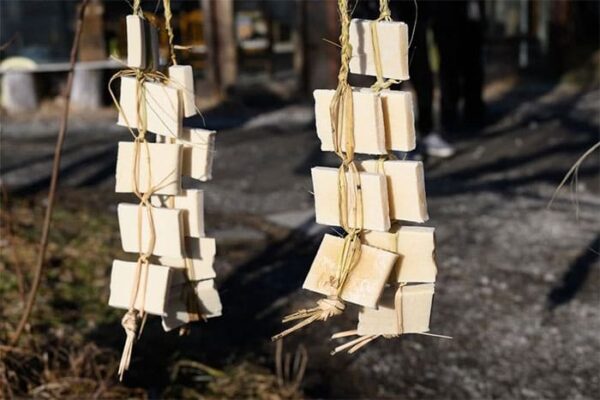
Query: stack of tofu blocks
{"points": [[177, 162], [395, 256]]}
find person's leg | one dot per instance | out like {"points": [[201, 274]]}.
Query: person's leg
{"points": [[448, 46], [421, 78], [472, 74]]}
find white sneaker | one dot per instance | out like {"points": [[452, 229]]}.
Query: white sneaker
{"points": [[435, 146]]}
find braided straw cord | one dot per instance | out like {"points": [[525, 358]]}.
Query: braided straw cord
{"points": [[168, 17], [350, 203]]}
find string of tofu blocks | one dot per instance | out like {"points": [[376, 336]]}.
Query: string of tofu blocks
{"points": [[388, 269], [173, 276]]}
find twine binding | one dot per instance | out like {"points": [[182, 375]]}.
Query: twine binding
{"points": [[342, 121]]}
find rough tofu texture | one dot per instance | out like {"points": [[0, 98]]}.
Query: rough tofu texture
{"points": [[198, 153], [393, 48], [399, 120], [164, 168], [191, 202], [415, 246], [163, 109], [374, 197], [177, 314], [406, 312], [366, 281], [406, 187], [182, 79], [369, 131], [199, 261], [156, 278], [168, 224], [136, 43]]}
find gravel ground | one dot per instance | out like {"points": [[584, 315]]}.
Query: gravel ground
{"points": [[517, 284]]}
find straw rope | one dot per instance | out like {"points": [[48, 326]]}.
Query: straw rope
{"points": [[168, 17], [349, 188]]}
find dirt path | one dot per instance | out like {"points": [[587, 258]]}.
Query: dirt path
{"points": [[518, 282]]}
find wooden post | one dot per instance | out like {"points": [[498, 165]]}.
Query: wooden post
{"points": [[219, 31]]}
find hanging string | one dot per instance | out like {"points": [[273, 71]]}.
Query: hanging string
{"points": [[137, 10], [349, 201], [168, 17], [384, 15]]}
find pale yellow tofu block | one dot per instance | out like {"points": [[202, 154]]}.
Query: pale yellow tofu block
{"points": [[366, 280], [164, 168], [415, 246], [411, 315], [399, 120], [136, 47], [177, 313], [369, 130], [157, 280], [182, 79], [374, 197], [191, 202], [163, 109], [406, 188], [168, 232], [199, 261], [198, 153], [393, 49]]}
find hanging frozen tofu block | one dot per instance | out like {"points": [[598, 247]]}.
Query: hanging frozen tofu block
{"points": [[178, 313], [164, 168], [191, 202], [393, 48], [406, 187], [155, 279], [136, 43], [415, 246], [182, 79], [364, 283], [198, 263], [163, 109], [369, 130], [168, 230], [198, 153], [406, 309], [374, 198], [399, 120]]}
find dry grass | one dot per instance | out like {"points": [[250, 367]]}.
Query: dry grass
{"points": [[56, 358]]}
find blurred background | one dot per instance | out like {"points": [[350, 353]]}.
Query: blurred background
{"points": [[507, 100]]}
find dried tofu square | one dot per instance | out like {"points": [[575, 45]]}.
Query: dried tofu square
{"points": [[369, 128], [155, 278], [393, 48], [374, 191], [164, 168], [168, 230], [364, 283]]}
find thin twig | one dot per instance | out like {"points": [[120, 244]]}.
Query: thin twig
{"points": [[9, 42], [573, 172], [54, 180]]}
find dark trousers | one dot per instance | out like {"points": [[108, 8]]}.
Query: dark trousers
{"points": [[422, 78], [461, 71]]}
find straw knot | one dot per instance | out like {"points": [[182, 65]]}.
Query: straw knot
{"points": [[129, 322], [331, 307]]}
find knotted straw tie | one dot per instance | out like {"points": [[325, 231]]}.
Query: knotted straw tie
{"points": [[342, 121], [133, 318], [384, 15]]}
